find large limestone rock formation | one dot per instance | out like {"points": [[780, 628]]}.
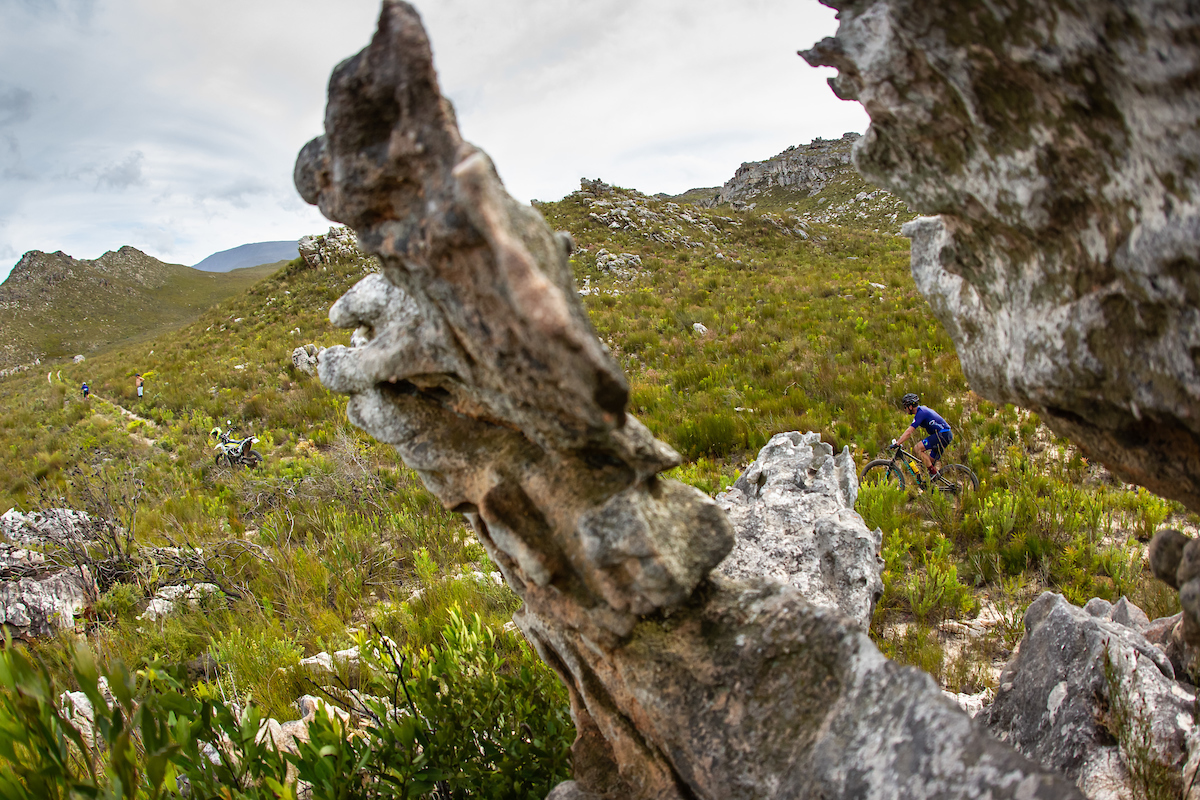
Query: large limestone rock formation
{"points": [[478, 364], [793, 513], [1058, 142]]}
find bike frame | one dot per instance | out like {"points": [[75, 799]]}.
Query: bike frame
{"points": [[902, 457]]}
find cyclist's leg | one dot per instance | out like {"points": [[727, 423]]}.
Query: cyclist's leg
{"points": [[921, 451], [939, 443]]}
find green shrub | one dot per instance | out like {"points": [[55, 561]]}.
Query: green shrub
{"points": [[118, 602], [461, 721]]}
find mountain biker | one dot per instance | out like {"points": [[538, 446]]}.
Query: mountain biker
{"points": [[929, 449], [86, 391]]}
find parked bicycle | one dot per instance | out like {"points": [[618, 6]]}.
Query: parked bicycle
{"points": [[904, 468]]}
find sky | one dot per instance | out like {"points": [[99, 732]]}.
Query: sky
{"points": [[173, 125]]}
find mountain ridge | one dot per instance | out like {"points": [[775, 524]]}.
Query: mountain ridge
{"points": [[56, 305]]}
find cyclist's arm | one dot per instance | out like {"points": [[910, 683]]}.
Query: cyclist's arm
{"points": [[904, 436]]}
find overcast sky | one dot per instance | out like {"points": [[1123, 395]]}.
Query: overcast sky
{"points": [[173, 125]]}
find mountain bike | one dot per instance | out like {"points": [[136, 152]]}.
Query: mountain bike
{"points": [[904, 467]]}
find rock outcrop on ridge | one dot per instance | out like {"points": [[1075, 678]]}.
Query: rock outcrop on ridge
{"points": [[53, 305], [793, 514], [339, 244], [480, 367], [807, 169], [1058, 142]]}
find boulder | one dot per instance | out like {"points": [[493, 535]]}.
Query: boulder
{"points": [[323, 667], [52, 526], [1056, 144], [620, 263], [168, 597], [305, 358], [793, 514], [340, 244], [1090, 697], [35, 608], [483, 371]]}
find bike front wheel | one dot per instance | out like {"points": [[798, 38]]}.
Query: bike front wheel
{"points": [[881, 472], [956, 480]]}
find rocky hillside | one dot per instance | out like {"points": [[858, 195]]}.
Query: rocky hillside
{"points": [[54, 305]]}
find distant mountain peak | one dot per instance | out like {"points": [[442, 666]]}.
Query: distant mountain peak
{"points": [[250, 255]]}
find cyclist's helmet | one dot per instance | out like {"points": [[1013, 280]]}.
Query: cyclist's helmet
{"points": [[910, 399]]}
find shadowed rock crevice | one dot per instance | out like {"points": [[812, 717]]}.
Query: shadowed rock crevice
{"points": [[474, 357]]}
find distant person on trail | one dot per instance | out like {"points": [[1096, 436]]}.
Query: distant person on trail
{"points": [[929, 449], [86, 391], [138, 380]]}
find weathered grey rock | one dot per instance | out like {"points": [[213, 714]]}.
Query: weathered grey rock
{"points": [[167, 598], [340, 244], [793, 514], [52, 526], [1175, 559], [1058, 143], [1077, 668], [498, 393], [620, 263], [323, 667], [306, 358], [34, 608]]}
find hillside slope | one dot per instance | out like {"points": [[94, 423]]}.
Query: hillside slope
{"points": [[731, 324], [54, 305]]}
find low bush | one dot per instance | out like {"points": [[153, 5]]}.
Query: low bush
{"points": [[454, 717]]}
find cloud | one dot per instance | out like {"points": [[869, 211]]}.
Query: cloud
{"points": [[79, 12], [187, 117], [16, 105], [239, 193], [123, 174]]}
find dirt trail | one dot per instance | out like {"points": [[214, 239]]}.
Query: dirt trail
{"points": [[149, 423]]}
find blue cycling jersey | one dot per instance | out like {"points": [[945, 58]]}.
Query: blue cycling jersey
{"points": [[930, 420]]}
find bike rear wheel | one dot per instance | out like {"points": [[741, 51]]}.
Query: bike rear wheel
{"points": [[956, 480], [881, 472]]}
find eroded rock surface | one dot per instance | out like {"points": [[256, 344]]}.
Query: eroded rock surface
{"points": [[793, 513], [305, 358], [476, 360], [1058, 142], [1090, 697], [40, 594]]}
